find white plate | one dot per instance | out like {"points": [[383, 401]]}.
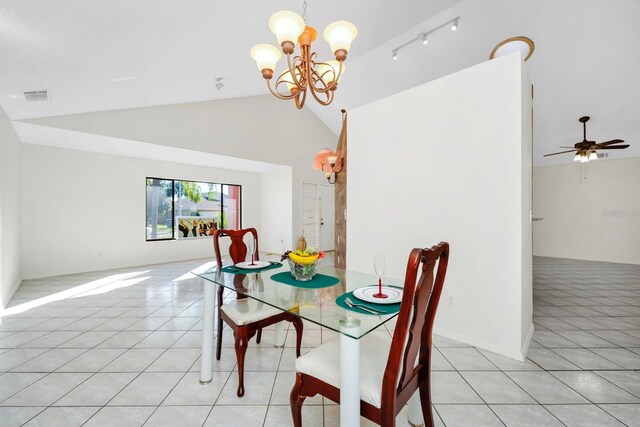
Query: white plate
{"points": [[394, 295], [247, 265]]}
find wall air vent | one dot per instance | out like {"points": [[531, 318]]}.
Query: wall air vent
{"points": [[36, 95], [602, 155]]}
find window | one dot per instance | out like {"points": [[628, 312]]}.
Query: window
{"points": [[178, 209], [159, 209]]}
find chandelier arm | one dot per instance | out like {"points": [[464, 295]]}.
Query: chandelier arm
{"points": [[333, 84], [323, 88], [340, 70], [292, 69], [300, 99], [315, 91], [278, 94], [281, 81], [328, 94], [317, 78]]}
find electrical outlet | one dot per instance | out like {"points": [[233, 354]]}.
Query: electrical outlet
{"points": [[451, 302]]}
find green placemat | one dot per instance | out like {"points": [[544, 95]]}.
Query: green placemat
{"points": [[235, 270], [386, 308], [318, 281]]}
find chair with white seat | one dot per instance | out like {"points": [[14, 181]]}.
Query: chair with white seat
{"points": [[244, 315], [391, 368]]}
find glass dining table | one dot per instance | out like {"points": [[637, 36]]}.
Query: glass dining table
{"points": [[316, 305]]}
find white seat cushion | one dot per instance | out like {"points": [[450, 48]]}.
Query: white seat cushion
{"points": [[324, 363], [247, 310]]}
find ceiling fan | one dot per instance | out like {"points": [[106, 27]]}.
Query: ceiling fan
{"points": [[587, 150]]}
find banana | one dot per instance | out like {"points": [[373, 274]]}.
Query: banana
{"points": [[305, 260]]}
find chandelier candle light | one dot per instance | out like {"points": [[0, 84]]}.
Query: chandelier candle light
{"points": [[304, 72]]}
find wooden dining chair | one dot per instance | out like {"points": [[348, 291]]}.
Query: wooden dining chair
{"points": [[391, 368], [244, 315]]}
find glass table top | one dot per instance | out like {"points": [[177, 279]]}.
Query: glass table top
{"points": [[315, 305]]}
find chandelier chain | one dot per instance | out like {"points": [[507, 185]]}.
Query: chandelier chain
{"points": [[304, 11]]}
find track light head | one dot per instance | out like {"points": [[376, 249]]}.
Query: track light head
{"points": [[423, 36]]}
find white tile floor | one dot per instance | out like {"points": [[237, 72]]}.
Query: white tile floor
{"points": [[122, 348]]}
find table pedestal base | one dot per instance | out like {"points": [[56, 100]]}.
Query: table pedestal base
{"points": [[206, 359], [349, 374], [415, 411], [280, 335]]}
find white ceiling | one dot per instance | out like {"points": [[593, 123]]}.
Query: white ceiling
{"points": [[109, 54], [162, 51], [63, 138]]}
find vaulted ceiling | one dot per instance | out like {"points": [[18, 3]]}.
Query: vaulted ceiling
{"points": [[111, 54], [103, 55]]}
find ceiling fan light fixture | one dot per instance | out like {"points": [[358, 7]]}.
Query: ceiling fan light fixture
{"points": [[586, 150]]}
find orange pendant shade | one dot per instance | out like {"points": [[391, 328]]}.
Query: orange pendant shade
{"points": [[320, 162]]}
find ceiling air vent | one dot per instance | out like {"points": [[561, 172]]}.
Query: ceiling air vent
{"points": [[602, 155], [36, 95]]}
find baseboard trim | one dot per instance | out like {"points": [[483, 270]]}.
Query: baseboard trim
{"points": [[517, 355], [527, 341], [9, 295]]}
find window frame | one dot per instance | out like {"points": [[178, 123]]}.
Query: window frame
{"points": [[173, 204], [173, 211]]}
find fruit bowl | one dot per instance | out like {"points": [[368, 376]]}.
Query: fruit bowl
{"points": [[303, 272], [303, 263]]}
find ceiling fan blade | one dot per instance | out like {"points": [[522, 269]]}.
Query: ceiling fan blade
{"points": [[614, 147], [613, 141], [560, 152], [566, 146]]}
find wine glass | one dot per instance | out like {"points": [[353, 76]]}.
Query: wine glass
{"points": [[379, 267], [252, 249]]}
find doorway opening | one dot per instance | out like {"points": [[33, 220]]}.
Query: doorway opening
{"points": [[318, 215]]}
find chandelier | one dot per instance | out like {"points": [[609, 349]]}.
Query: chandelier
{"points": [[304, 73]]}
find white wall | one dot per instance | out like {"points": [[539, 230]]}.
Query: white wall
{"points": [[259, 128], [453, 171], [590, 211], [85, 211], [526, 186], [10, 218], [608, 94]]}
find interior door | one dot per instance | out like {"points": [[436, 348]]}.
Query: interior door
{"points": [[326, 203], [310, 223]]}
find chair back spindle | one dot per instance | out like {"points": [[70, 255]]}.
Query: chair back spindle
{"points": [[237, 249], [410, 352]]}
